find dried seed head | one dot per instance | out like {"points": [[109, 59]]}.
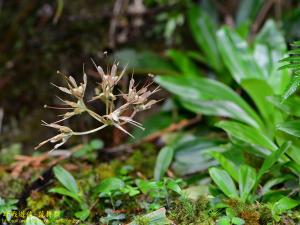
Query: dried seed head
{"points": [[136, 101], [65, 134], [108, 81], [73, 89], [139, 98]]}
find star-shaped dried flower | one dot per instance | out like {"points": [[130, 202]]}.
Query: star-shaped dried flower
{"points": [[73, 89], [64, 134], [139, 98], [108, 81]]}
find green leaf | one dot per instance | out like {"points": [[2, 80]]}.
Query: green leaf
{"points": [[32, 220], [64, 191], [224, 221], [290, 106], [191, 156], [271, 183], [227, 165], [183, 63], [247, 178], [237, 56], [237, 221], [163, 162], [292, 62], [172, 185], [290, 127], [157, 217], [292, 87], [272, 36], [247, 134], [109, 184], [66, 179], [209, 97], [224, 182], [146, 186], [284, 205], [269, 48], [204, 32], [259, 90], [82, 215], [272, 159]]}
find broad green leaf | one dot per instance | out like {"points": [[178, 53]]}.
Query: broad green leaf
{"points": [[33, 220], [271, 183], [109, 184], [183, 63], [237, 221], [224, 221], [237, 56], [66, 179], [272, 159], [163, 162], [224, 182], [191, 156], [247, 134], [247, 178], [210, 97], [271, 36], [259, 90], [172, 185], [290, 106], [64, 191], [269, 48], [219, 108], [157, 217], [83, 215], [284, 205], [204, 32], [291, 127], [227, 165], [146, 186]]}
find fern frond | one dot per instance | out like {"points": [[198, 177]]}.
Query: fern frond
{"points": [[292, 62]]}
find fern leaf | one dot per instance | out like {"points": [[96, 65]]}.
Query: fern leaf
{"points": [[292, 62]]}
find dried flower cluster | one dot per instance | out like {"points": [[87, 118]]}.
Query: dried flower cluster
{"points": [[135, 100]]}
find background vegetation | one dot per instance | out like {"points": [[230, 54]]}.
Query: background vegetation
{"points": [[221, 146]]}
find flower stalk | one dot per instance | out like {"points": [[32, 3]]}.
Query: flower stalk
{"points": [[135, 100]]}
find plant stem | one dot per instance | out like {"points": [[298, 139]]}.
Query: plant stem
{"points": [[90, 131]]}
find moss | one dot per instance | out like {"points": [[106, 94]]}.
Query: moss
{"points": [[10, 188], [265, 215], [248, 212], [105, 170], [38, 201], [142, 220], [189, 212], [143, 160]]}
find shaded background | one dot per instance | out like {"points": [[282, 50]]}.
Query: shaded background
{"points": [[37, 38]]}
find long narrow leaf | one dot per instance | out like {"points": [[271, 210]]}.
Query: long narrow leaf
{"points": [[224, 182], [247, 178], [247, 134], [66, 179], [227, 165]]}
